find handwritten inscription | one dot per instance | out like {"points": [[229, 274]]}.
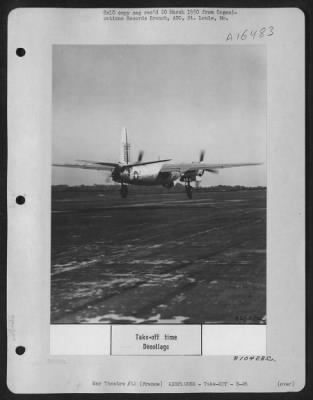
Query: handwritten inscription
{"points": [[255, 358], [250, 34]]}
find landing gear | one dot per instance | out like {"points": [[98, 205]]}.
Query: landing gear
{"points": [[188, 189], [124, 191]]}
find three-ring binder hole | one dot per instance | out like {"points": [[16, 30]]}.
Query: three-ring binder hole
{"points": [[20, 350], [20, 52], [20, 200]]}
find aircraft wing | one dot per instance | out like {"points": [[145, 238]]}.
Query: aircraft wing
{"points": [[99, 166], [184, 168], [105, 166], [136, 164]]}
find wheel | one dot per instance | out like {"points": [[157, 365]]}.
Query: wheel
{"points": [[189, 192], [124, 191]]}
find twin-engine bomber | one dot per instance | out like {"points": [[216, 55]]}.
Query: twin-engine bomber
{"points": [[148, 173]]}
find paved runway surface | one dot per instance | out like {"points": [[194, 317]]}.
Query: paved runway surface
{"points": [[158, 258]]}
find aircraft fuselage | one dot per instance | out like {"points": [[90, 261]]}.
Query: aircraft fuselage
{"points": [[145, 175]]}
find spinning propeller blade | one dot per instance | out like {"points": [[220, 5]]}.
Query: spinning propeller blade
{"points": [[140, 156]]}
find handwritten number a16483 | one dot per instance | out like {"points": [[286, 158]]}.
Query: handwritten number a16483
{"points": [[251, 34]]}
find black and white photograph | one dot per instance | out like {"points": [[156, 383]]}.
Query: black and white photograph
{"points": [[156, 200], [159, 184]]}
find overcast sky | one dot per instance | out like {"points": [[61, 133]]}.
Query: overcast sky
{"points": [[174, 101]]}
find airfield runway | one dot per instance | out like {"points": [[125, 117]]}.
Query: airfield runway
{"points": [[158, 257]]}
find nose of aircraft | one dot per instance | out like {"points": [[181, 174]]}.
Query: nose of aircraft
{"points": [[125, 172], [120, 173]]}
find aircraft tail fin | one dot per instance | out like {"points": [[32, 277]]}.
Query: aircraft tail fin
{"points": [[125, 148]]}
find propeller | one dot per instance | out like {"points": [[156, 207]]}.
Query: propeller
{"points": [[201, 172], [140, 156]]}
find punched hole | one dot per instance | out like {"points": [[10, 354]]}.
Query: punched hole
{"points": [[20, 52], [20, 350], [20, 200]]}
